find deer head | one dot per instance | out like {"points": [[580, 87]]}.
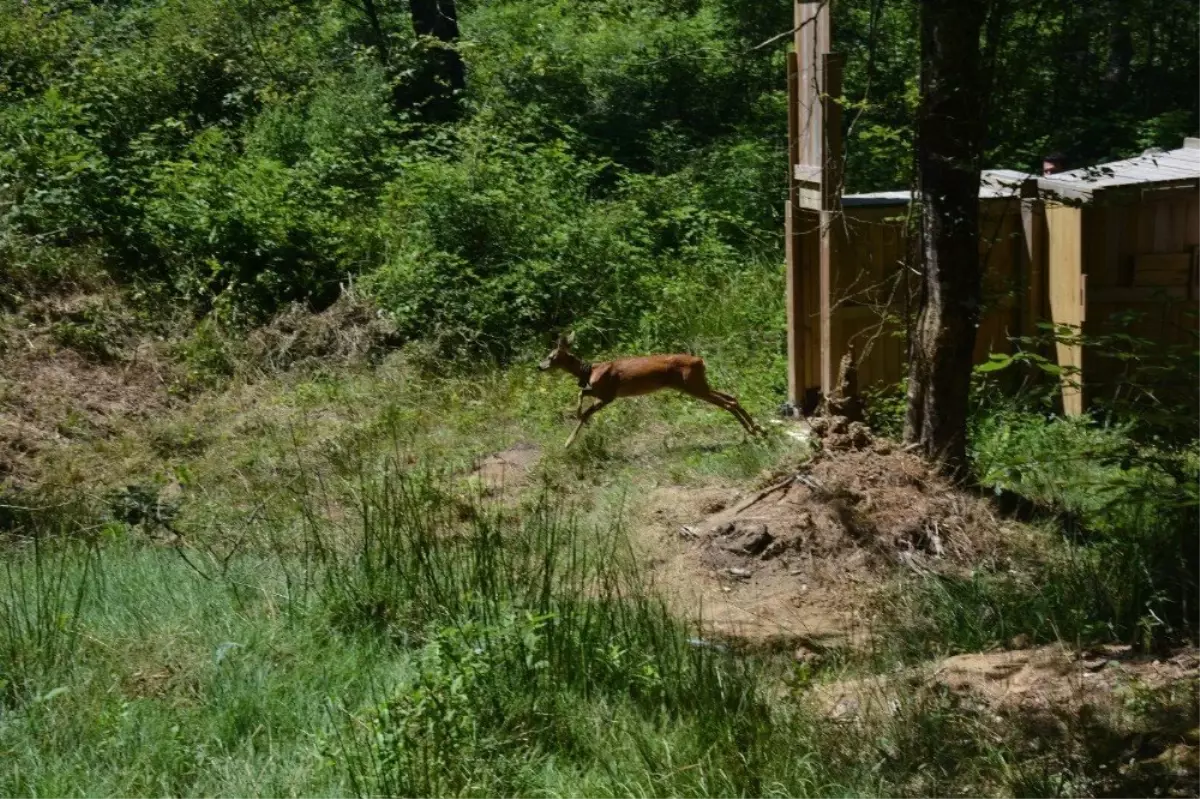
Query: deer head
{"points": [[560, 356]]}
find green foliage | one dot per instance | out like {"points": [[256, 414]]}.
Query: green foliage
{"points": [[260, 159], [207, 354], [1120, 485], [247, 155]]}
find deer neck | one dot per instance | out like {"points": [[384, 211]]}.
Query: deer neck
{"points": [[581, 369]]}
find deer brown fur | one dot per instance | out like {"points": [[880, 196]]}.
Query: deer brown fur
{"points": [[631, 377]]}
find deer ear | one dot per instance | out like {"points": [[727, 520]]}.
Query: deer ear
{"points": [[571, 338], [562, 342]]}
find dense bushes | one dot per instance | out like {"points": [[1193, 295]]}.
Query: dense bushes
{"points": [[250, 155]]}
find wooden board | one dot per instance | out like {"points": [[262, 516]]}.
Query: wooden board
{"points": [[1194, 291], [792, 245], [811, 41], [1162, 269], [831, 158], [1064, 226]]}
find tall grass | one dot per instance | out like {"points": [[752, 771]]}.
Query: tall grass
{"points": [[43, 593], [515, 624], [384, 626]]}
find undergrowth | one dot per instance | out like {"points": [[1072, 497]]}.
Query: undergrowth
{"points": [[1121, 507], [398, 632]]}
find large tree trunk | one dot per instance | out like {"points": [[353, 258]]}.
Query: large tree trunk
{"points": [[377, 33], [1120, 49], [950, 131], [443, 76]]}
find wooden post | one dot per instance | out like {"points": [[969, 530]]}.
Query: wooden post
{"points": [[807, 200], [831, 141], [830, 159], [795, 298], [1033, 261], [812, 41]]}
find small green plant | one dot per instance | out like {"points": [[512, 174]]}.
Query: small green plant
{"points": [[94, 332], [208, 355], [444, 732]]}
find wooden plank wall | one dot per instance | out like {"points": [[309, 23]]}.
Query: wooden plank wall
{"points": [[1099, 260], [1006, 278], [870, 287], [1140, 257]]}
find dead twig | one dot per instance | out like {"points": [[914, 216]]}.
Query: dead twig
{"points": [[766, 492], [786, 33]]}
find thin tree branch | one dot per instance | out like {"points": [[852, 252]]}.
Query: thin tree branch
{"points": [[785, 34]]}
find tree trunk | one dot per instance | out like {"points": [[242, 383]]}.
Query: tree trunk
{"points": [[950, 130], [381, 42], [443, 76], [1120, 49]]}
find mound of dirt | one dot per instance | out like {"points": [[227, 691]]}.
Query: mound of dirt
{"points": [[58, 384], [853, 510], [803, 555]]}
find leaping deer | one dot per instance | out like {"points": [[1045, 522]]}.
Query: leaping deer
{"points": [[631, 377]]}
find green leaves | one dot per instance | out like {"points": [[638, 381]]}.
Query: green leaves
{"points": [[998, 360]]}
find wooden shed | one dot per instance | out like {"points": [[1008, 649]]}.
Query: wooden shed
{"points": [[1072, 248], [1122, 236]]}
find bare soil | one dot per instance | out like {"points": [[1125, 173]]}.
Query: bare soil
{"points": [[505, 473], [796, 561], [802, 556], [1025, 681]]}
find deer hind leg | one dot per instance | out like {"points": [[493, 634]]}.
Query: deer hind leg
{"points": [[730, 404], [735, 407], [584, 418]]}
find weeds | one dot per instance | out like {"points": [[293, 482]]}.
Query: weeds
{"points": [[516, 621], [43, 593]]}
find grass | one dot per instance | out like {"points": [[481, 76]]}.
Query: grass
{"points": [[355, 615], [437, 655]]}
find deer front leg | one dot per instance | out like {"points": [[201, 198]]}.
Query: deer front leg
{"points": [[583, 392], [583, 420]]}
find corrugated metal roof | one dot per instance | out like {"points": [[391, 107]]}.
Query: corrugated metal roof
{"points": [[994, 184], [1170, 166], [1149, 169]]}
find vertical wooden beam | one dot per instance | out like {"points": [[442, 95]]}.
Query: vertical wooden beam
{"points": [[812, 41], [792, 245], [831, 140], [812, 256], [826, 289], [1033, 261], [830, 161], [1067, 301]]}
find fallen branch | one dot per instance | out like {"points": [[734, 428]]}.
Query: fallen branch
{"points": [[766, 492]]}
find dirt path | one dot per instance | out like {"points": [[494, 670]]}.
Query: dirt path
{"points": [[1050, 679]]}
